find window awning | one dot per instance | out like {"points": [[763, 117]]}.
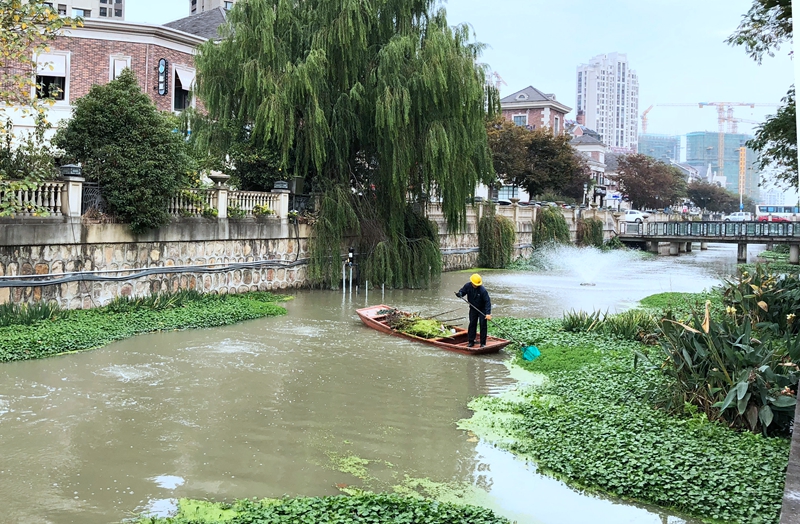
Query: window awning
{"points": [[186, 76], [51, 65]]}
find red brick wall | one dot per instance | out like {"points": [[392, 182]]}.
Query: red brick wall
{"points": [[536, 117], [90, 62]]}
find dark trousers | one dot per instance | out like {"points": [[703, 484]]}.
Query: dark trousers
{"points": [[474, 316]]}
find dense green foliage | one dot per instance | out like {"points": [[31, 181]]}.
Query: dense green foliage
{"points": [[536, 160], [590, 232], [375, 102], [358, 509], [496, 237], [763, 29], [712, 197], [649, 183], [634, 324], [23, 166], [594, 424], [776, 142], [27, 314], [550, 226], [124, 318], [130, 148]]}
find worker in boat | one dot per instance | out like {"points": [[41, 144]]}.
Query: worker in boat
{"points": [[481, 309]]}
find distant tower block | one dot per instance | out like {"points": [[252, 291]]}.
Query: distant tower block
{"points": [[198, 6]]}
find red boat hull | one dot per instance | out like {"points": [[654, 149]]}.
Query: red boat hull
{"points": [[455, 342]]}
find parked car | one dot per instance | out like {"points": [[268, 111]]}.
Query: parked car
{"points": [[633, 215], [739, 216], [771, 218]]}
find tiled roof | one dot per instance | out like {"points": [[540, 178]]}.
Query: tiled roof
{"points": [[529, 94], [204, 24], [585, 140]]}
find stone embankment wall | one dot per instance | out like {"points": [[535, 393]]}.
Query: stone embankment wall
{"points": [[93, 263]]}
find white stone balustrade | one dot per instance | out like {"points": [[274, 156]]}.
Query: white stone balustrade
{"points": [[247, 200], [43, 200], [192, 202]]}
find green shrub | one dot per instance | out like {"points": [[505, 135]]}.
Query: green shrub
{"points": [[589, 232], [550, 226], [634, 324], [719, 366], [581, 321], [359, 509], [27, 314], [496, 237], [130, 148]]}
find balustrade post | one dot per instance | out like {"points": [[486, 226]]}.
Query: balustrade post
{"points": [[794, 254], [72, 196], [221, 198], [283, 202], [741, 253]]}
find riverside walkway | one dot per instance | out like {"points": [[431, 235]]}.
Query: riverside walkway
{"points": [[680, 235]]}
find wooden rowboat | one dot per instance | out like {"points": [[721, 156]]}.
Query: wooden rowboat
{"points": [[375, 317]]}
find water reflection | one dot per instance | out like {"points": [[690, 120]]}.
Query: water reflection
{"points": [[262, 408]]}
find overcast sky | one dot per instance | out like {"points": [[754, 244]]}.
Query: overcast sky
{"points": [[676, 46]]}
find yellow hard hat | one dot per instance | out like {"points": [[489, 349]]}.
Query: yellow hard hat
{"points": [[476, 280]]}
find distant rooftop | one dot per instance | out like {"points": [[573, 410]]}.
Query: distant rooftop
{"points": [[529, 94], [205, 24]]}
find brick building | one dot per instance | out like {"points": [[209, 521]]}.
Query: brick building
{"points": [[535, 110], [162, 58]]}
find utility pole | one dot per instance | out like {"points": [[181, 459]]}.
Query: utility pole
{"points": [[795, 28]]}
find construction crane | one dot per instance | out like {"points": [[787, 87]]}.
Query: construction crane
{"points": [[498, 80]]}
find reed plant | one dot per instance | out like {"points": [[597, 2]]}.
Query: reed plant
{"points": [[27, 314]]}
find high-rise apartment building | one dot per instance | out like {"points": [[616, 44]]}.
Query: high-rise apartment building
{"points": [[660, 147], [101, 9], [608, 99], [198, 6], [702, 153]]}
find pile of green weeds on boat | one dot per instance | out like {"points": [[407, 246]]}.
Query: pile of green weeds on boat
{"points": [[414, 324]]}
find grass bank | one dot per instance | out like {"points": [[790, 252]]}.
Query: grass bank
{"points": [[363, 509], [593, 423], [30, 333]]}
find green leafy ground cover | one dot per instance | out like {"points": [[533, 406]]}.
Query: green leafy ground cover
{"points": [[366, 509], [91, 328], [593, 424]]}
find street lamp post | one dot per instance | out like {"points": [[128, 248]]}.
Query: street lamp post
{"points": [[585, 188]]}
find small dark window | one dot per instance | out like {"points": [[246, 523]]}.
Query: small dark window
{"points": [[183, 98], [103, 1], [50, 87], [103, 11], [62, 9], [118, 13]]}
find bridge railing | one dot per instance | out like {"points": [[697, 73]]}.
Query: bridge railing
{"points": [[715, 229]]}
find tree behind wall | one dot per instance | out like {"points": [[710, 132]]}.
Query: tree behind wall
{"points": [[496, 238], [131, 149], [379, 102], [648, 183]]}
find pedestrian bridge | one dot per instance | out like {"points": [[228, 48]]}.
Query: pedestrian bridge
{"points": [[681, 235]]}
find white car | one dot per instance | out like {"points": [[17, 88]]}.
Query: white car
{"points": [[739, 216], [632, 215]]}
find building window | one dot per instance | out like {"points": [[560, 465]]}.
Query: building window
{"points": [[520, 120], [103, 11], [51, 76], [228, 6], [557, 127], [62, 9], [81, 13], [507, 193], [50, 87], [117, 65], [103, 1], [183, 83], [118, 13]]}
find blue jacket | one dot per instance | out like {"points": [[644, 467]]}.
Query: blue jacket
{"points": [[478, 297]]}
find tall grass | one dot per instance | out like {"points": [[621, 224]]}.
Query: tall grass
{"points": [[27, 314]]}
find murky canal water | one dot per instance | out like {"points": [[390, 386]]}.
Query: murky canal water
{"points": [[276, 406]]}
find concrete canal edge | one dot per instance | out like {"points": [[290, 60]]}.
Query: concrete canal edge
{"points": [[790, 511]]}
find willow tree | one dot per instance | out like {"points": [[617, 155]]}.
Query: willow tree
{"points": [[377, 103]]}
